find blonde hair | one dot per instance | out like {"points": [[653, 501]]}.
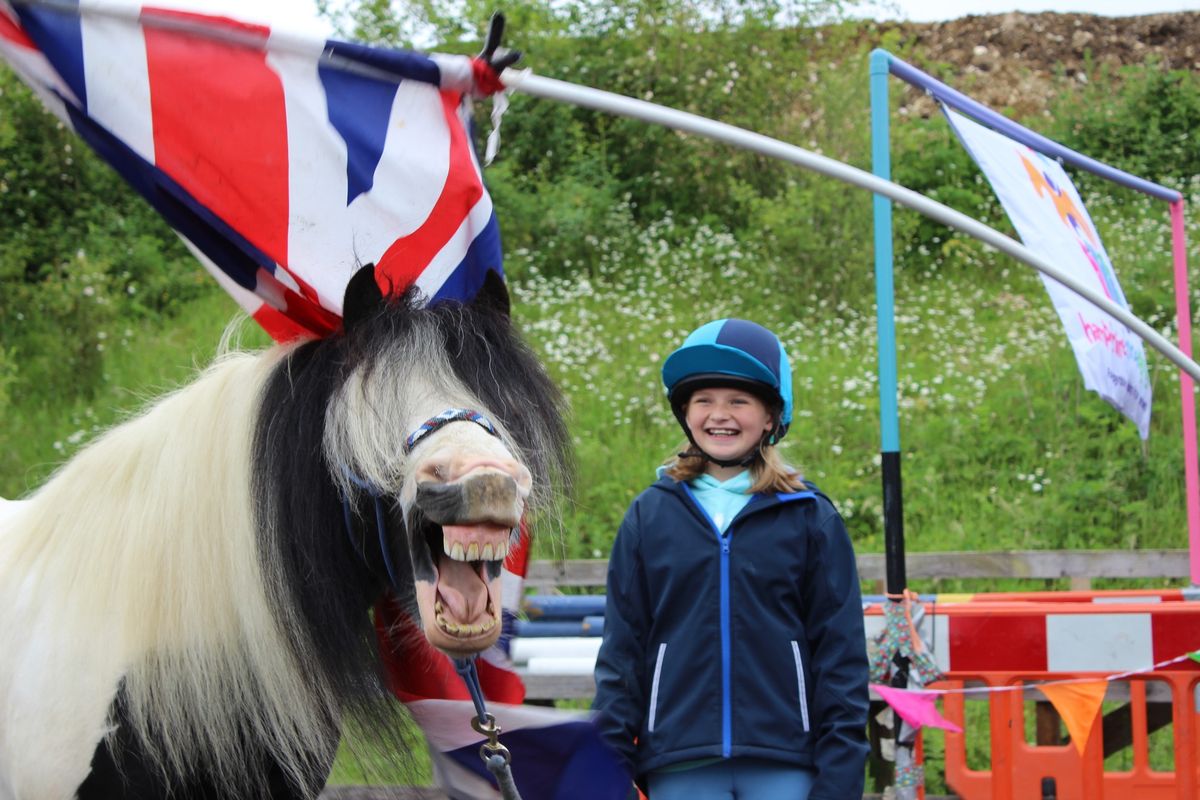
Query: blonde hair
{"points": [[768, 469]]}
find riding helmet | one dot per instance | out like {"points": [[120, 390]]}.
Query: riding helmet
{"points": [[732, 352]]}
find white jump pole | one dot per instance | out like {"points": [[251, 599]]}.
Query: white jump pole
{"points": [[565, 92]]}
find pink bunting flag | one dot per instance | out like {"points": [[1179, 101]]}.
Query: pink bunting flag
{"points": [[917, 708]]}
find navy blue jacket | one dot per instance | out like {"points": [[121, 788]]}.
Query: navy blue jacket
{"points": [[747, 644]]}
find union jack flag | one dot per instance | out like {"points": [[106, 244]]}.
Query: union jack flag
{"points": [[284, 160]]}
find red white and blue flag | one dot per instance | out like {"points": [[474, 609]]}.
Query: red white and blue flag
{"points": [[285, 160]]}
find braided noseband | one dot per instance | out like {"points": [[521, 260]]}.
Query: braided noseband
{"points": [[445, 418]]}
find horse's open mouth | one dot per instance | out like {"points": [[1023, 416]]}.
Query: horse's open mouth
{"points": [[464, 601], [470, 559]]}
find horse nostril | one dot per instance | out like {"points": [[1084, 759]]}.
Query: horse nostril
{"points": [[433, 471], [458, 469]]}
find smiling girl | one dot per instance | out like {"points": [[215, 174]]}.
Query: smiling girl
{"points": [[734, 661]]}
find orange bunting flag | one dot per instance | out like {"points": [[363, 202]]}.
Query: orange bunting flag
{"points": [[1078, 705]]}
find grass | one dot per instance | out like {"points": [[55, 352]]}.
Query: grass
{"points": [[361, 761], [1002, 448], [143, 361]]}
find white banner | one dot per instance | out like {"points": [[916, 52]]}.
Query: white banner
{"points": [[1051, 220]]}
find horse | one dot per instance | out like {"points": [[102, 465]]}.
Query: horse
{"points": [[185, 603]]}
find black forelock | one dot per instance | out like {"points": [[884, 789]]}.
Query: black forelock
{"points": [[324, 584], [494, 363], [499, 368]]}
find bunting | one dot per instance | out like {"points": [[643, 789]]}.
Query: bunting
{"points": [[916, 707], [1076, 700]]}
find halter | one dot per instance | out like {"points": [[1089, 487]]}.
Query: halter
{"points": [[443, 419], [495, 755]]}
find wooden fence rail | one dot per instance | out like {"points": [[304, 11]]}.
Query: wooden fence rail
{"points": [[1080, 566]]}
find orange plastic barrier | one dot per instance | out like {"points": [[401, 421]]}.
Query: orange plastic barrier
{"points": [[1018, 767], [1006, 643]]}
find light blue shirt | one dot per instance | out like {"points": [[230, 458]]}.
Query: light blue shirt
{"points": [[722, 500]]}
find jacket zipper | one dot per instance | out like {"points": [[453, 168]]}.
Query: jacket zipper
{"points": [[726, 666]]}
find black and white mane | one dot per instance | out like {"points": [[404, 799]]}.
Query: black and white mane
{"points": [[195, 562]]}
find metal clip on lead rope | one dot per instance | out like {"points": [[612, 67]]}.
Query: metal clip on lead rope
{"points": [[494, 755]]}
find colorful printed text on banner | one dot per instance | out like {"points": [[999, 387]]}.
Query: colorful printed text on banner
{"points": [[1052, 221]]}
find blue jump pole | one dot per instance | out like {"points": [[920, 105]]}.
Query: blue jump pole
{"points": [[889, 412]]}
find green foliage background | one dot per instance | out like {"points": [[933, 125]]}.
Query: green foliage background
{"points": [[620, 238]]}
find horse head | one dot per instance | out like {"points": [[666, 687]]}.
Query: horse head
{"points": [[447, 422]]}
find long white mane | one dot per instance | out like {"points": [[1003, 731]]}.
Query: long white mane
{"points": [[138, 562]]}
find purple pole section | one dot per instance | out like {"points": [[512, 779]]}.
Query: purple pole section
{"points": [[959, 101], [1191, 467]]}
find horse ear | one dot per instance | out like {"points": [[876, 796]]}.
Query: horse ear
{"points": [[363, 297], [493, 294]]}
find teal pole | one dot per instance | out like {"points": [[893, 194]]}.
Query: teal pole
{"points": [[889, 412]]}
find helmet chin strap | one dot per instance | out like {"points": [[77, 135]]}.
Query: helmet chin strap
{"points": [[744, 461]]}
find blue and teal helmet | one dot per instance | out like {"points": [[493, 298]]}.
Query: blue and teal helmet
{"points": [[732, 352]]}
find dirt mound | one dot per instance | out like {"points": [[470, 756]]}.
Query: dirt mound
{"points": [[1017, 61]]}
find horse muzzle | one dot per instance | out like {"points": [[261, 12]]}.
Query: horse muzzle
{"points": [[489, 497], [460, 608]]}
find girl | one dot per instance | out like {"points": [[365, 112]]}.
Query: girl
{"points": [[734, 661]]}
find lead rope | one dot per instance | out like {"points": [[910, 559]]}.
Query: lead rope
{"points": [[495, 756]]}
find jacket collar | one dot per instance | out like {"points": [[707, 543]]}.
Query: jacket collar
{"points": [[757, 502]]}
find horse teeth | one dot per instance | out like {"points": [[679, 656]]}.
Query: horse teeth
{"points": [[501, 550], [488, 624], [488, 554], [473, 551], [439, 607], [446, 544], [457, 552]]}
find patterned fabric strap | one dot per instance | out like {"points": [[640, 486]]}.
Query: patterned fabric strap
{"points": [[910, 776], [445, 418]]}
